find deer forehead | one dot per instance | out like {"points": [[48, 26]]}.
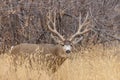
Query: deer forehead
{"points": [[67, 42]]}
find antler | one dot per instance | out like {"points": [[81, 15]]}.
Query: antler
{"points": [[79, 32], [53, 22]]}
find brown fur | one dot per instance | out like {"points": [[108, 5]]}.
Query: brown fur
{"points": [[54, 54], [47, 49]]}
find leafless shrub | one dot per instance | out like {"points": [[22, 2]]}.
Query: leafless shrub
{"points": [[25, 21]]}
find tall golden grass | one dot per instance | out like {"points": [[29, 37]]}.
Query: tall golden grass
{"points": [[95, 63]]}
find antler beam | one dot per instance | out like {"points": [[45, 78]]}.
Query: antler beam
{"points": [[81, 25], [53, 22]]}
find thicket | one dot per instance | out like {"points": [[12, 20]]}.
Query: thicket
{"points": [[25, 20]]}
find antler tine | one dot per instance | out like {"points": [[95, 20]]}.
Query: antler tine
{"points": [[80, 22], [53, 22], [84, 23], [79, 32]]}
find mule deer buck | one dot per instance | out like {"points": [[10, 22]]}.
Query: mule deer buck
{"points": [[64, 47]]}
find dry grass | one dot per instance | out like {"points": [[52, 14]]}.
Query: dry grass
{"points": [[96, 63]]}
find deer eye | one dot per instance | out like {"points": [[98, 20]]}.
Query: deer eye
{"points": [[62, 44]]}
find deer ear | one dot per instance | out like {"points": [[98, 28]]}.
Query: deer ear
{"points": [[56, 39], [76, 40]]}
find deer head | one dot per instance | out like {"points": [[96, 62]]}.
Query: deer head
{"points": [[68, 43]]}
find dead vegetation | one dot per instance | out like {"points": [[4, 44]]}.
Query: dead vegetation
{"points": [[96, 63], [25, 21]]}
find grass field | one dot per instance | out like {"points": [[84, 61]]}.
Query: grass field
{"points": [[95, 63]]}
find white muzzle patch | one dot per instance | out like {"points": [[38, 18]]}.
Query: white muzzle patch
{"points": [[67, 47]]}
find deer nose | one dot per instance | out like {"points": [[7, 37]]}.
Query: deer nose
{"points": [[68, 51]]}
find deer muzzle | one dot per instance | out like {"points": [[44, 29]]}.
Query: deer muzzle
{"points": [[67, 48]]}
